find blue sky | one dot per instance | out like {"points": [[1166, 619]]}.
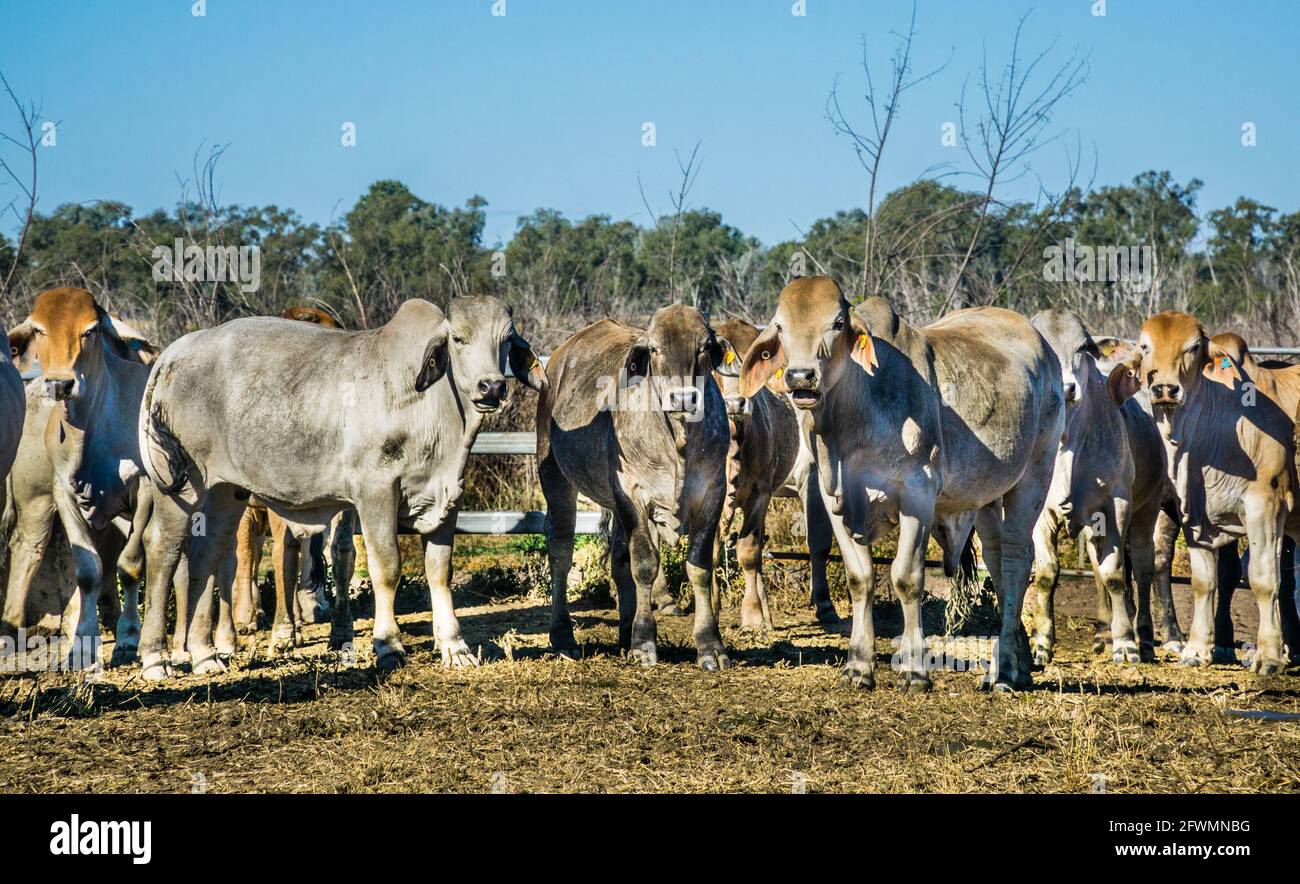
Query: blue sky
{"points": [[544, 106]]}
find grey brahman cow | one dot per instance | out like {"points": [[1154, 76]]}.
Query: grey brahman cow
{"points": [[939, 429], [634, 420], [1107, 488], [314, 420], [1229, 440]]}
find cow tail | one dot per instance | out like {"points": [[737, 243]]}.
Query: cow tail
{"points": [[158, 445]]}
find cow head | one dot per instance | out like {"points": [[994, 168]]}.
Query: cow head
{"points": [[734, 338], [1079, 355], [481, 342], [1175, 352], [676, 353], [813, 339], [68, 333]]}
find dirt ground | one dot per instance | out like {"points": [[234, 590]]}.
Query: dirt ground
{"points": [[527, 721]]}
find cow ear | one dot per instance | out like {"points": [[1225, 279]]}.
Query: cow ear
{"points": [[20, 346], [524, 363], [1124, 382], [433, 365], [1220, 366], [127, 342], [763, 362], [637, 363], [727, 363], [864, 348], [1107, 346]]}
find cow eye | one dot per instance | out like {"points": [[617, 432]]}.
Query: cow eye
{"points": [[459, 341], [88, 332]]}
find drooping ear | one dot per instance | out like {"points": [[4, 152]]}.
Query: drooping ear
{"points": [[127, 342], [727, 363], [1107, 346], [763, 361], [637, 363], [524, 363], [433, 365], [1220, 365], [1124, 382], [864, 349], [20, 346]]}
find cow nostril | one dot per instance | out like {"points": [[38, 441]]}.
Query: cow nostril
{"points": [[801, 377], [492, 388], [1070, 392]]}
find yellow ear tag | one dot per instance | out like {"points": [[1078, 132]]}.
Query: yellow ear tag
{"points": [[729, 357], [862, 342], [779, 372]]}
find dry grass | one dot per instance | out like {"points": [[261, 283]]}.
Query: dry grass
{"points": [[527, 721]]}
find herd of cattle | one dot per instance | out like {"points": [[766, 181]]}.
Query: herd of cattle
{"points": [[983, 421]]}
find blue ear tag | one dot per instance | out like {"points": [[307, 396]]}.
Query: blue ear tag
{"points": [[1225, 363]]}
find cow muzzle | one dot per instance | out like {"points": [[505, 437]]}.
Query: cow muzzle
{"points": [[61, 389], [489, 393], [737, 406], [1166, 395], [1071, 393], [684, 400], [804, 385]]}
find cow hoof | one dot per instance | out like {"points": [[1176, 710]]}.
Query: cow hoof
{"points": [[1194, 656], [1147, 652], [1042, 656], [340, 639], [123, 655], [390, 658], [1126, 652], [1265, 666], [856, 675], [1099, 645], [827, 616], [1223, 655], [563, 643], [646, 654], [457, 655], [1174, 646], [672, 609], [713, 660], [283, 639], [158, 671], [209, 665], [914, 683]]}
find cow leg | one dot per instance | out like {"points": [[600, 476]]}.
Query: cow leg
{"points": [[284, 628], [1286, 601], [248, 557], [1198, 650], [167, 535], [1142, 554], [1264, 528], [130, 568], [755, 615], [31, 537], [437, 572], [109, 543], [561, 516], [181, 593], [384, 561], [620, 570], [860, 668], [1047, 574], [1021, 508], [1166, 532], [1229, 578], [344, 554], [1106, 552], [664, 601], [89, 567], [820, 534], [643, 554], [710, 654], [227, 641], [907, 574], [222, 511]]}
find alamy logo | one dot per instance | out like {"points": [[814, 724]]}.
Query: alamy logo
{"points": [[1071, 262], [78, 837], [182, 263]]}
